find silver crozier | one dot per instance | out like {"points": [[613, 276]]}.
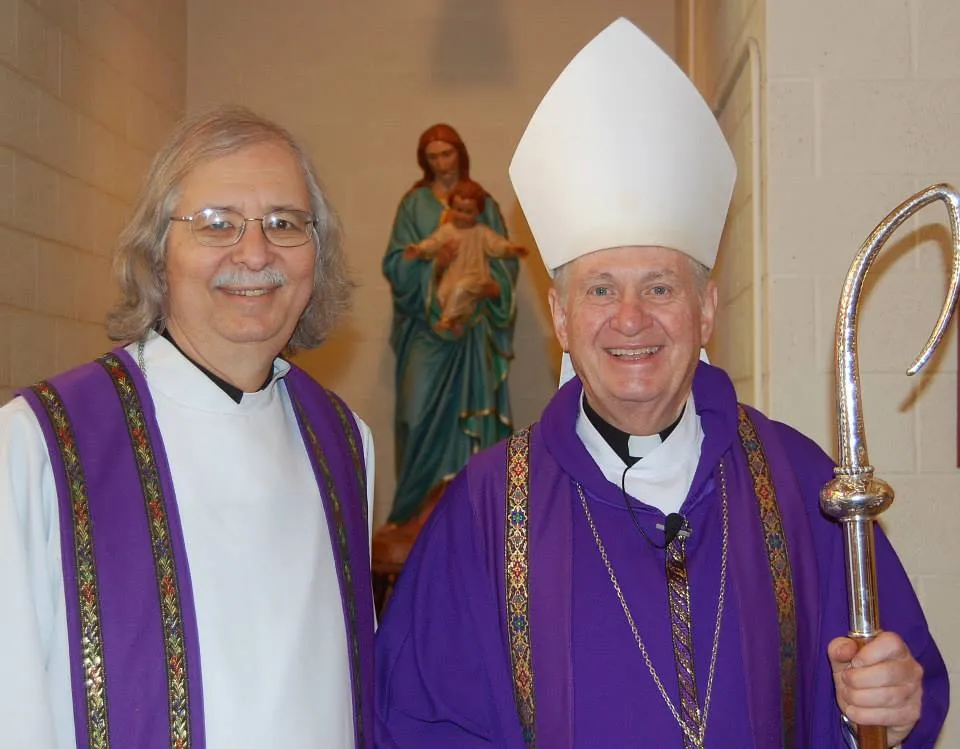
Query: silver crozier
{"points": [[855, 497]]}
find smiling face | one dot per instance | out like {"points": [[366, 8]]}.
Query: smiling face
{"points": [[633, 320], [227, 305]]}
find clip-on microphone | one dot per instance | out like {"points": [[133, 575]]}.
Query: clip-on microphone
{"points": [[672, 528]]}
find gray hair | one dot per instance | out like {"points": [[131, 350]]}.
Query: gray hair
{"points": [[701, 273], [140, 254]]}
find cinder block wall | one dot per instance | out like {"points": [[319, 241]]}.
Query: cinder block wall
{"points": [[726, 63], [861, 105], [88, 90], [863, 110]]}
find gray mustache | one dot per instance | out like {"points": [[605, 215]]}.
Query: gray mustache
{"points": [[265, 277]]}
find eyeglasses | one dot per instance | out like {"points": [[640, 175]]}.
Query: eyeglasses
{"points": [[223, 227]]}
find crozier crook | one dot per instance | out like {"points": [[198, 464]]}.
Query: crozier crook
{"points": [[854, 496]]}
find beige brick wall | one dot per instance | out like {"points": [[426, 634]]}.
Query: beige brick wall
{"points": [[728, 49], [864, 109], [358, 82], [861, 105], [88, 89]]}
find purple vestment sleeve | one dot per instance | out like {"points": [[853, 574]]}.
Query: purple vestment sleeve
{"points": [[443, 672]]}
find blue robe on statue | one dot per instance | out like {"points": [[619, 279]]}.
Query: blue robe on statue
{"points": [[451, 391], [443, 650]]}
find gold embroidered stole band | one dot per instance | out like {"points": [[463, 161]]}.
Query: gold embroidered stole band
{"points": [[678, 597], [517, 574], [346, 422], [163, 560], [88, 588], [339, 532], [94, 666], [780, 570]]}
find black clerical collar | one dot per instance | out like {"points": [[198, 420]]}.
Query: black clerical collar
{"points": [[618, 439], [235, 393]]}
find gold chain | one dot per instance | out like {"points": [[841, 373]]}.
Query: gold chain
{"points": [[697, 740]]}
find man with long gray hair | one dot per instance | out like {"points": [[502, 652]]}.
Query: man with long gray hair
{"points": [[192, 503]]}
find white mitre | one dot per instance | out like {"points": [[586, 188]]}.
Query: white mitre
{"points": [[623, 151]]}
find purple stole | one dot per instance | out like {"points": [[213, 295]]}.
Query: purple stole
{"points": [[772, 568], [132, 629]]}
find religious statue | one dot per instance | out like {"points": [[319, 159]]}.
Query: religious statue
{"points": [[461, 248], [452, 353]]}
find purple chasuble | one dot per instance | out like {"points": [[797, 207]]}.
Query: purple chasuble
{"points": [[132, 629], [443, 668]]}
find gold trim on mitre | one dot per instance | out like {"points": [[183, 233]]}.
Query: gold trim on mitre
{"points": [[623, 151]]}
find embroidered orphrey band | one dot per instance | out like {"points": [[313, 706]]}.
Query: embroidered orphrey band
{"points": [[353, 631], [517, 574], [88, 588], [681, 626], [346, 421], [780, 571], [161, 542]]}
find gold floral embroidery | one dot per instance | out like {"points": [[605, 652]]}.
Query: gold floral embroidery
{"points": [[88, 591], [517, 573], [340, 531], [163, 558], [780, 570], [346, 422]]}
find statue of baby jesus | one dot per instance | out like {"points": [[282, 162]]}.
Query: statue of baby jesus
{"points": [[460, 248]]}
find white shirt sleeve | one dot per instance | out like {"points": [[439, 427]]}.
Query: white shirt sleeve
{"points": [[35, 700]]}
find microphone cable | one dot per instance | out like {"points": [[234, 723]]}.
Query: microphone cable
{"points": [[672, 525]]}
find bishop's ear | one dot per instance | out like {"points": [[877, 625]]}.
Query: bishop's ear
{"points": [[708, 311], [559, 317]]}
